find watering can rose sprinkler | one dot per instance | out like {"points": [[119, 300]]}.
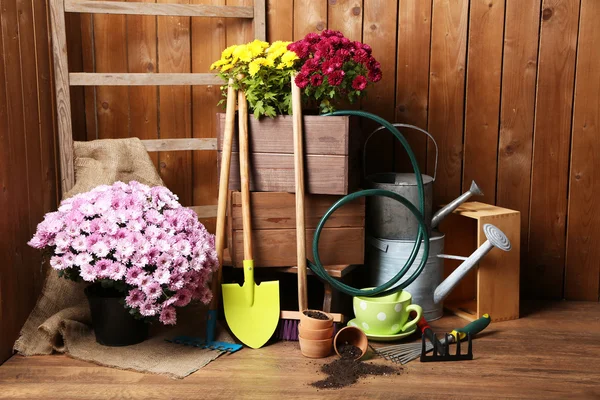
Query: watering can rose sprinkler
{"points": [[495, 238]]}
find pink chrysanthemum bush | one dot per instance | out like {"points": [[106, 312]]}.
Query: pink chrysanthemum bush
{"points": [[333, 67], [136, 239]]}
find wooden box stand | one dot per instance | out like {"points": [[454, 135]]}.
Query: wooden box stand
{"points": [[493, 288], [274, 229], [332, 154]]}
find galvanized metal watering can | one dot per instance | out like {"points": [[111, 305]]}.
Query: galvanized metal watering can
{"points": [[388, 219], [429, 289]]}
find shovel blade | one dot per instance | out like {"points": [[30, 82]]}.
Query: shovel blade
{"points": [[252, 324]]}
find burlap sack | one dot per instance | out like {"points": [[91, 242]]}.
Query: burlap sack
{"points": [[60, 320]]}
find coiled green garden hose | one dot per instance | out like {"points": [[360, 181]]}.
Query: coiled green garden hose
{"points": [[386, 288]]}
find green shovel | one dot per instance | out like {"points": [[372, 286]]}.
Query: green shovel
{"points": [[251, 310]]}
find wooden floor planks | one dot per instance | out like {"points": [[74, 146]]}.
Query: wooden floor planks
{"points": [[551, 353]]}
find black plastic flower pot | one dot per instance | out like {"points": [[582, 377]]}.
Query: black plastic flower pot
{"points": [[111, 321]]}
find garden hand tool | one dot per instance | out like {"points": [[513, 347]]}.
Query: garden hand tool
{"points": [[288, 325], [211, 323], [403, 353], [299, 181], [252, 311]]}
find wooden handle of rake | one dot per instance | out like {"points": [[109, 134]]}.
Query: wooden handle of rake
{"points": [[220, 238], [299, 180], [222, 209]]}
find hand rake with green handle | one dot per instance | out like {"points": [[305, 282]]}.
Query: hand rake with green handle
{"points": [[403, 353], [211, 323]]}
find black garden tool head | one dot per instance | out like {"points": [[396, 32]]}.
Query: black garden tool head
{"points": [[441, 352]]}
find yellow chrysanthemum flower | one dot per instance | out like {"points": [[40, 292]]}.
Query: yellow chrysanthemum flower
{"points": [[276, 46], [273, 55], [243, 53], [267, 62], [288, 58], [226, 67], [228, 52], [218, 63], [253, 67], [257, 47]]}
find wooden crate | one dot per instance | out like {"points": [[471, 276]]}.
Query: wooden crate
{"points": [[493, 288], [274, 229], [332, 154]]}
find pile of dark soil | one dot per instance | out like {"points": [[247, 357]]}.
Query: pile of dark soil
{"points": [[346, 370], [315, 315], [349, 351]]}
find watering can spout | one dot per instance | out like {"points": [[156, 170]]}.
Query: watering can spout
{"points": [[447, 210], [495, 238]]}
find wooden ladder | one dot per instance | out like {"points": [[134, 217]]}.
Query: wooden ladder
{"points": [[64, 79]]}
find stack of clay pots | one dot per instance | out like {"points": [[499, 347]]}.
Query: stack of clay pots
{"points": [[315, 334]]}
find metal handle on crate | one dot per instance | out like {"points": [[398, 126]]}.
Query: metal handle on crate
{"points": [[398, 125]]}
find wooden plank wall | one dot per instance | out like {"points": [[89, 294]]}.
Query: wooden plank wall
{"points": [[27, 158], [509, 88]]}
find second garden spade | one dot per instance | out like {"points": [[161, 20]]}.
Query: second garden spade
{"points": [[251, 310]]}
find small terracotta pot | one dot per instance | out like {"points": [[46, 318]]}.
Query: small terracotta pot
{"points": [[315, 348], [315, 334], [313, 323], [353, 336]]}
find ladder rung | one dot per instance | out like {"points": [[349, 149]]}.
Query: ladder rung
{"points": [[180, 144], [138, 8], [133, 79], [205, 211]]}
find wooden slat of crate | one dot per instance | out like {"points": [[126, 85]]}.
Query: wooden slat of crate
{"points": [[335, 271], [277, 247], [323, 135], [333, 148], [277, 211], [270, 172]]}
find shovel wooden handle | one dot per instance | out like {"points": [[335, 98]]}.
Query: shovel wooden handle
{"points": [[245, 184], [223, 188], [299, 181]]}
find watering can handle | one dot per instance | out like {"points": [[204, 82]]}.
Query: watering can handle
{"points": [[398, 125]]}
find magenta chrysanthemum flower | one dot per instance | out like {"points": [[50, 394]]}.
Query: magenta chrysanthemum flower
{"points": [[333, 56], [58, 263], [359, 83], [87, 273], [152, 290], [134, 275], [162, 276], [183, 297], [316, 79], [117, 271], [375, 76], [148, 309], [301, 80], [135, 299], [168, 316], [336, 78], [100, 249], [103, 267]]}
